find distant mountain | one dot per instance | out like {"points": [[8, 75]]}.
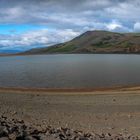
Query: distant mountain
{"points": [[9, 51], [95, 42]]}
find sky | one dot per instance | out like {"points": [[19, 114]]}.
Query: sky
{"points": [[26, 24]]}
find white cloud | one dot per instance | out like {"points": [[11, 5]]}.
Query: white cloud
{"points": [[113, 25], [137, 26], [37, 38]]}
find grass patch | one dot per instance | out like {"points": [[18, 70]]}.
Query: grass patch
{"points": [[65, 48]]}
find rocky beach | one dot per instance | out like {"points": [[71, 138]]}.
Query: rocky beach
{"points": [[17, 130], [49, 115]]}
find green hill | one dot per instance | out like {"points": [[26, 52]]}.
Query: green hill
{"points": [[95, 42]]}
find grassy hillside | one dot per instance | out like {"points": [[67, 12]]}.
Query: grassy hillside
{"points": [[95, 42]]}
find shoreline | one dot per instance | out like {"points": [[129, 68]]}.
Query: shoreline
{"points": [[71, 90], [74, 91]]}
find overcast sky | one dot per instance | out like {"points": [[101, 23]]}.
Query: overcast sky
{"points": [[26, 24]]}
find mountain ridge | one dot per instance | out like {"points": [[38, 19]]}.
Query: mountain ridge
{"points": [[95, 42]]}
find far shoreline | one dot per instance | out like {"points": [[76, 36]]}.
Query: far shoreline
{"points": [[104, 53]]}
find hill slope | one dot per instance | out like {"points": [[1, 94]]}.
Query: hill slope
{"points": [[95, 42]]}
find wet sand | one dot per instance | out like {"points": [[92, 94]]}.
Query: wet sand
{"points": [[106, 110]]}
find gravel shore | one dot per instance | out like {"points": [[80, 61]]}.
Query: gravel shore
{"points": [[101, 115]]}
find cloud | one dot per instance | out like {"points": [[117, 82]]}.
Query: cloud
{"points": [[137, 27], [68, 13], [66, 18], [114, 25], [126, 10], [32, 39]]}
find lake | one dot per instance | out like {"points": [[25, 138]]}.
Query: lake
{"points": [[70, 71]]}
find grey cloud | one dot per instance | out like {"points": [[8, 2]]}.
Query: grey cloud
{"points": [[69, 13], [46, 11]]}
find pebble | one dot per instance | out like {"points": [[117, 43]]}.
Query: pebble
{"points": [[4, 138], [18, 130]]}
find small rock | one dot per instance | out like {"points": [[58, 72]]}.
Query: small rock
{"points": [[129, 116], [13, 113], [3, 132], [29, 138], [4, 138], [12, 136], [114, 100], [83, 138]]}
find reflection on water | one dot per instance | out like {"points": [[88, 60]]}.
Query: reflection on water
{"points": [[70, 70]]}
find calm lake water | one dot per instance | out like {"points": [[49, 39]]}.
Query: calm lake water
{"points": [[70, 71]]}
